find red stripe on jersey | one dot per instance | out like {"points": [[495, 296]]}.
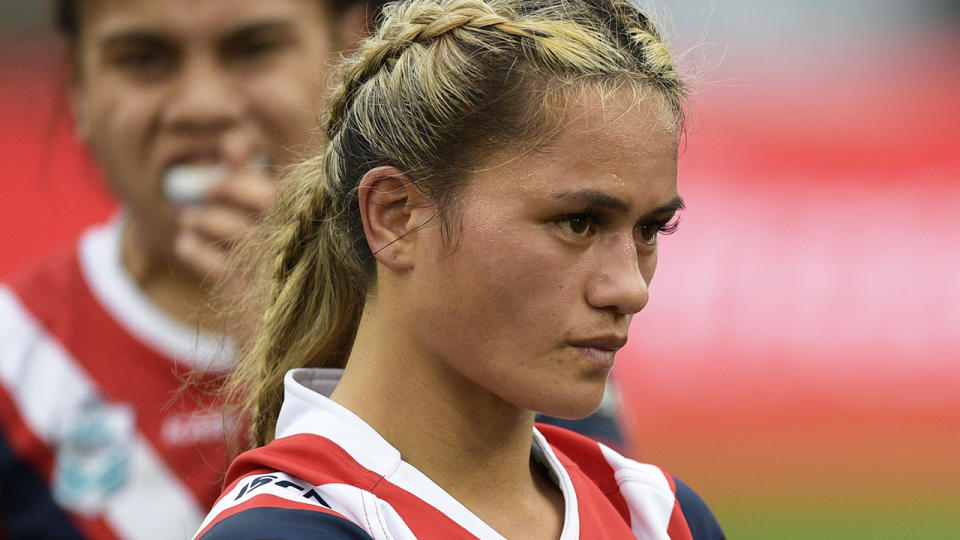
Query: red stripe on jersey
{"points": [[585, 453], [94, 527], [36, 454], [229, 485], [22, 440], [320, 461], [124, 369], [677, 528], [265, 500], [602, 509]]}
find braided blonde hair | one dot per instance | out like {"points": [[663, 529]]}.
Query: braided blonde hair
{"points": [[439, 87]]}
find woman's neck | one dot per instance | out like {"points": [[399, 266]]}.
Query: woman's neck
{"points": [[177, 292], [470, 442]]}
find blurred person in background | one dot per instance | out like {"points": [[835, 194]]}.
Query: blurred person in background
{"points": [[188, 109]]}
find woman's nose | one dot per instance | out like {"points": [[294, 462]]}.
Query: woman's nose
{"points": [[205, 98], [618, 282]]}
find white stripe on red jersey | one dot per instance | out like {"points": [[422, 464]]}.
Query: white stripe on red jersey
{"points": [[128, 305], [64, 348], [327, 467]]}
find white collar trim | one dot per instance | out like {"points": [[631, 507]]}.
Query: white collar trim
{"points": [[307, 409], [100, 262]]}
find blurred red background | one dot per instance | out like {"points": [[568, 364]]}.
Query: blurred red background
{"points": [[799, 362]]}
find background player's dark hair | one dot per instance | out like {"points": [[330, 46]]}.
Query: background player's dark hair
{"points": [[67, 13]]}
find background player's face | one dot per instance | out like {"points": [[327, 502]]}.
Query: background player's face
{"points": [[538, 288], [159, 83]]}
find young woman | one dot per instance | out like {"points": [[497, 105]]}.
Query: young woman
{"points": [[169, 96], [470, 248]]}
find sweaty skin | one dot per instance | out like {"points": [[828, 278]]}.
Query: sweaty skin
{"points": [[523, 310]]}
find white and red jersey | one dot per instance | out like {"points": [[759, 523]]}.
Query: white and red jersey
{"points": [[95, 439], [329, 474]]}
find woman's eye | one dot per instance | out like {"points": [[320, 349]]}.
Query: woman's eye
{"points": [[647, 234], [143, 62], [580, 225], [255, 48], [140, 60]]}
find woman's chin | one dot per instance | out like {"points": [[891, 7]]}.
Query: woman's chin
{"points": [[572, 406]]}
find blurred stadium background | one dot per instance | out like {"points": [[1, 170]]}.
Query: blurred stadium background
{"points": [[799, 362]]}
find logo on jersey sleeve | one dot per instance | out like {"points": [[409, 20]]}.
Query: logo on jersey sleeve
{"points": [[93, 459], [279, 485]]}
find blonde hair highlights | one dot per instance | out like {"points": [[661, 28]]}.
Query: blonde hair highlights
{"points": [[441, 85]]}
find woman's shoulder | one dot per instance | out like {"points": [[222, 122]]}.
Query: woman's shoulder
{"points": [[45, 285], [634, 488], [261, 500], [275, 521], [38, 305], [52, 292], [283, 490]]}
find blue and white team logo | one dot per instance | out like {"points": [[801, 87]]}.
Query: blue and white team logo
{"points": [[93, 459]]}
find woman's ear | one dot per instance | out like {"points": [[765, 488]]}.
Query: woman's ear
{"points": [[392, 207]]}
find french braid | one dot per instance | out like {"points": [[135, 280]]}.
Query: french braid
{"points": [[440, 87], [636, 30]]}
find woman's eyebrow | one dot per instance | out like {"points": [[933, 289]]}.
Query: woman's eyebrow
{"points": [[132, 37], [151, 36], [598, 199], [594, 199], [254, 28], [674, 205]]}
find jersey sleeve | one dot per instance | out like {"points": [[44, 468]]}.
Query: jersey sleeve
{"points": [[703, 525], [283, 524]]}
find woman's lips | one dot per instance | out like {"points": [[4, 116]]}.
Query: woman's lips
{"points": [[600, 357], [600, 350]]}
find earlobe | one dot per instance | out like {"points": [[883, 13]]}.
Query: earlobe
{"points": [[389, 207]]}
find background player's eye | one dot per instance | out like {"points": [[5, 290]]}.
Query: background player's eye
{"points": [[142, 61], [579, 225]]}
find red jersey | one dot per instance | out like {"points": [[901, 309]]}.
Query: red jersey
{"points": [[329, 474], [94, 441]]}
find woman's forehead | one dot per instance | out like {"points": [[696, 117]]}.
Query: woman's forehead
{"points": [[629, 115], [600, 128], [621, 150], [192, 18]]}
